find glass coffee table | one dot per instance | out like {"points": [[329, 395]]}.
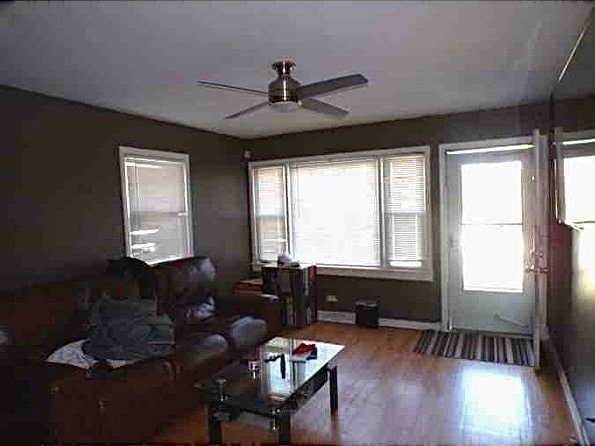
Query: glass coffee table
{"points": [[272, 385]]}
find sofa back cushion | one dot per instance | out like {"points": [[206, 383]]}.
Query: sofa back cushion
{"points": [[184, 287], [41, 318]]}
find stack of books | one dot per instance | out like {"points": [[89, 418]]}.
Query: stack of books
{"points": [[248, 286]]}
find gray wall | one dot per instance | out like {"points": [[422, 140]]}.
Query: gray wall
{"points": [[61, 195], [402, 299], [571, 296]]}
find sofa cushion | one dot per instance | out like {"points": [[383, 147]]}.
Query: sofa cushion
{"points": [[247, 333], [242, 332], [198, 353]]}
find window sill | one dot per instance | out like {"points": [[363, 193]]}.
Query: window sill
{"points": [[420, 275]]}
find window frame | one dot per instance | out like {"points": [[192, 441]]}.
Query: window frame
{"points": [[383, 271], [159, 155]]}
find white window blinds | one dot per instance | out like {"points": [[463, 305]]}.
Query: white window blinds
{"points": [[269, 212], [156, 203], [405, 210], [366, 212], [335, 213]]}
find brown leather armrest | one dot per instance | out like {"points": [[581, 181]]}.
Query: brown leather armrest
{"points": [[91, 409], [262, 306], [74, 412]]}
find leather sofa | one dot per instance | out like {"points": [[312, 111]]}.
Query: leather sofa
{"points": [[62, 403]]}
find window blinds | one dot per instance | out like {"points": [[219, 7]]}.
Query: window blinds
{"points": [[269, 212], [405, 209], [335, 213], [579, 183], [157, 209]]}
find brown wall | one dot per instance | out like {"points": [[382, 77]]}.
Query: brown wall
{"points": [[61, 197], [402, 299]]}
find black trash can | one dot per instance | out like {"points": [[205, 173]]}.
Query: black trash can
{"points": [[366, 313]]}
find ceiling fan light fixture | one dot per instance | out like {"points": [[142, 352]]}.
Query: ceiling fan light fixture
{"points": [[285, 106]]}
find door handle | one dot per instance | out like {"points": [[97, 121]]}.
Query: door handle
{"points": [[536, 270]]}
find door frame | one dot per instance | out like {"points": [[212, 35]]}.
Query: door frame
{"points": [[445, 307]]}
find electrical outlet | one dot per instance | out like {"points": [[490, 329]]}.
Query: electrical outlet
{"points": [[331, 298]]}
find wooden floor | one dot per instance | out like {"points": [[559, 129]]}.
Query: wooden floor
{"points": [[390, 395]]}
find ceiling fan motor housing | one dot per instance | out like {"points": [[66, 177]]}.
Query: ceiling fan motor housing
{"points": [[283, 90]]}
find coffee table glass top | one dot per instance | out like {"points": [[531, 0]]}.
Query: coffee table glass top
{"points": [[268, 387]]}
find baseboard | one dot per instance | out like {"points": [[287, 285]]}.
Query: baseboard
{"points": [[579, 429], [346, 317]]}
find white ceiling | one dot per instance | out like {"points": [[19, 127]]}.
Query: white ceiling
{"points": [[421, 58]]}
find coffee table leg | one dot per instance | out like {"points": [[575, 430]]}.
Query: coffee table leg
{"points": [[332, 371], [215, 436], [284, 425]]}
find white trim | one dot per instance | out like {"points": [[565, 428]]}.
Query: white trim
{"points": [[154, 154], [347, 317], [446, 317], [445, 320], [160, 155], [342, 156], [252, 222], [342, 317], [507, 148], [579, 142], [488, 143], [585, 134], [424, 273], [579, 428], [368, 272]]}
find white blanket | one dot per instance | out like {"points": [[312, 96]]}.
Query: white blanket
{"points": [[72, 354]]}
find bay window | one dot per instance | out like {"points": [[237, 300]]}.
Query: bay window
{"points": [[363, 214]]}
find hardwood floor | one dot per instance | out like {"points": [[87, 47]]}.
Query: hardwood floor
{"points": [[390, 395]]}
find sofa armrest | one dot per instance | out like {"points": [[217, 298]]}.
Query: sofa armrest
{"points": [[74, 412], [262, 306], [108, 407]]}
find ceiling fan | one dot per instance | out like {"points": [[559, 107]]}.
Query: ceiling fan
{"points": [[286, 94]]}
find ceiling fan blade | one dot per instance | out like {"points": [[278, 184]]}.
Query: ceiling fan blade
{"points": [[218, 86], [322, 107], [247, 110], [331, 85]]}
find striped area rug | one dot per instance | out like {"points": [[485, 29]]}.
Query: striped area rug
{"points": [[477, 346]]}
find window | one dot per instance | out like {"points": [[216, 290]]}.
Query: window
{"points": [[269, 184], [364, 214], [578, 161], [156, 194]]}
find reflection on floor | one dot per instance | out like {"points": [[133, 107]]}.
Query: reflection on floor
{"points": [[390, 395]]}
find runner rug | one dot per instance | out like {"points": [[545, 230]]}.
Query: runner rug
{"points": [[476, 346]]}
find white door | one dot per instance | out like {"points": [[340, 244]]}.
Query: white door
{"points": [[489, 235]]}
